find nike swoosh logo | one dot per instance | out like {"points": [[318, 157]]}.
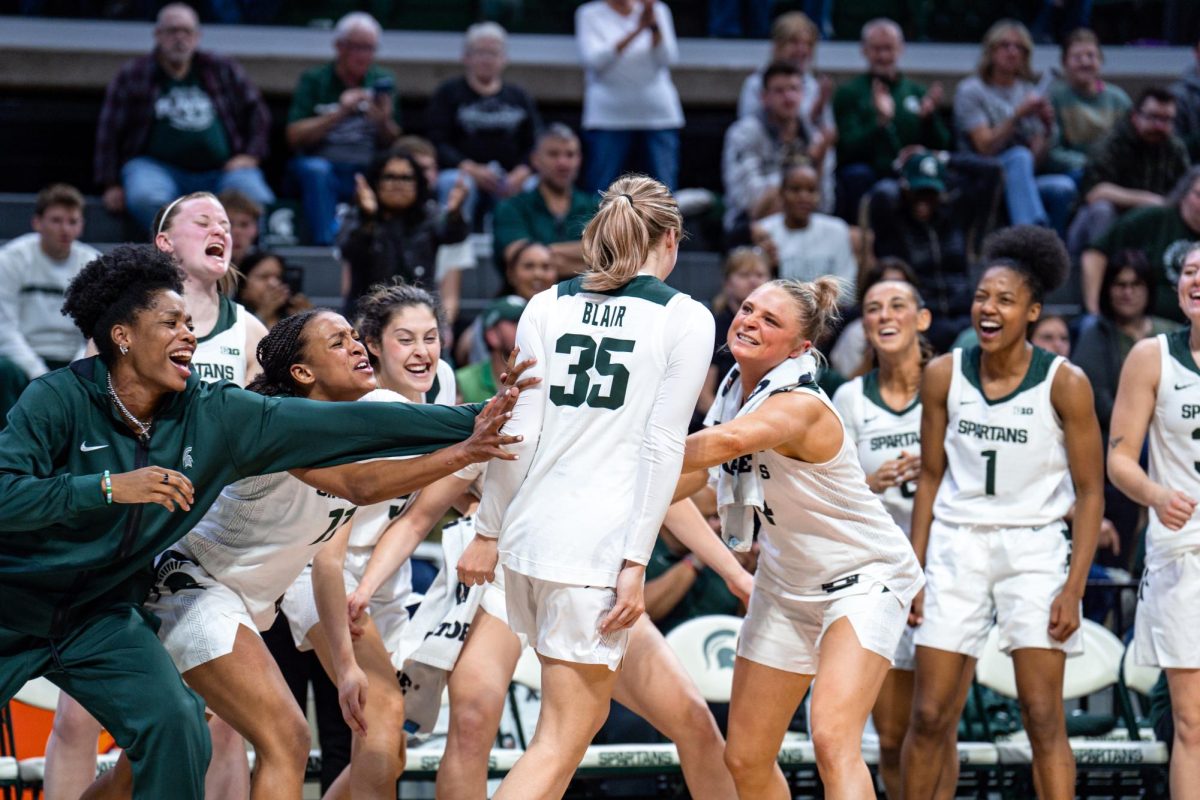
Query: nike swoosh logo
{"points": [[1181, 386], [83, 448], [967, 402], [869, 420]]}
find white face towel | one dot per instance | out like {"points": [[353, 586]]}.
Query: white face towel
{"points": [[737, 482], [432, 641]]}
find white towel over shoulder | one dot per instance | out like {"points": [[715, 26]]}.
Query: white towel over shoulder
{"points": [[431, 643], [738, 485]]}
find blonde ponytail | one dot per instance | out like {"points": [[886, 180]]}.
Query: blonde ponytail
{"points": [[634, 214]]}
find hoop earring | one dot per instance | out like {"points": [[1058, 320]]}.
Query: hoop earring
{"points": [[124, 350]]}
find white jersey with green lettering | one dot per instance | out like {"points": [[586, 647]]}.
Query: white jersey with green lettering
{"points": [[1006, 459], [371, 521], [1175, 444], [603, 432], [221, 354], [882, 435]]}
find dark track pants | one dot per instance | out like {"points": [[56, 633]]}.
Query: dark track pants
{"points": [[114, 665]]}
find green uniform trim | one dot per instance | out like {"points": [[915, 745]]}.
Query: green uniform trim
{"points": [[1039, 367], [226, 317], [644, 287], [871, 392], [66, 555], [1179, 345]]}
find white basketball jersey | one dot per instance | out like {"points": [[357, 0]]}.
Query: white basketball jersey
{"points": [[1006, 460], [371, 521], [221, 355], [881, 434], [621, 371], [822, 530], [1175, 444], [262, 531]]}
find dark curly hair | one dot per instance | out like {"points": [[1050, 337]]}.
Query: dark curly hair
{"points": [[279, 350], [375, 309], [1037, 254], [113, 288]]}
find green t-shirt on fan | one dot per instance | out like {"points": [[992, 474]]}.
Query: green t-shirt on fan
{"points": [[186, 132]]}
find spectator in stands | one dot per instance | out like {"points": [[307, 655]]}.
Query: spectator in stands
{"points": [[1050, 333], [477, 382], [930, 235], [1163, 233], [999, 113], [269, 289], [1187, 97], [451, 258], [880, 115], [1135, 165], [342, 115], [794, 40], [757, 147], [530, 270], [1085, 107], [554, 212], [631, 110], [34, 272], [746, 269], [245, 216], [179, 120], [398, 230], [1125, 318], [802, 243], [484, 128]]}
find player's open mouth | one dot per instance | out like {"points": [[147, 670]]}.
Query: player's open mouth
{"points": [[215, 250], [419, 370], [182, 360], [888, 332], [989, 327], [363, 366], [744, 339]]}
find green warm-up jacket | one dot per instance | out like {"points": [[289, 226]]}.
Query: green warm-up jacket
{"points": [[65, 554]]}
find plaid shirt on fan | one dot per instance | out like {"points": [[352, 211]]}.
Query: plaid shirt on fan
{"points": [[128, 112]]}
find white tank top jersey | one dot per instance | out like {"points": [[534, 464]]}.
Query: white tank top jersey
{"points": [[1006, 459], [881, 434], [262, 531], [1175, 444], [604, 431], [823, 531], [221, 355], [371, 521]]}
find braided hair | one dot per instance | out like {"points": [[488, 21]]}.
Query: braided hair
{"points": [[1036, 254], [279, 351], [113, 288]]}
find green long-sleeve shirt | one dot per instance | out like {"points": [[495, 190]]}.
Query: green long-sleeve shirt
{"points": [[65, 554], [862, 140]]}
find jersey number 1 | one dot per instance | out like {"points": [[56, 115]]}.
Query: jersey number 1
{"points": [[990, 476], [591, 355]]}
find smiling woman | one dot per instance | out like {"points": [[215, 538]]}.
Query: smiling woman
{"points": [[1009, 444], [72, 580]]}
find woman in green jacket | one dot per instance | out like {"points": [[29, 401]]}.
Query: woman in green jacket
{"points": [[106, 463]]}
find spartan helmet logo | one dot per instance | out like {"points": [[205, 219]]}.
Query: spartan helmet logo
{"points": [[187, 457], [720, 649], [929, 167]]}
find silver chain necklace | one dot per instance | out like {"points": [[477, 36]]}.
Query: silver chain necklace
{"points": [[143, 428]]}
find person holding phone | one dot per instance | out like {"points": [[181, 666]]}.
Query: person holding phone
{"points": [[343, 113]]}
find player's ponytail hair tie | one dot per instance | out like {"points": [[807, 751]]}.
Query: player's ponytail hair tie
{"points": [[629, 198]]}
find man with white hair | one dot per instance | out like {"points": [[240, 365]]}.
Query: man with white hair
{"points": [[342, 114], [880, 114], [179, 120], [484, 127]]}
